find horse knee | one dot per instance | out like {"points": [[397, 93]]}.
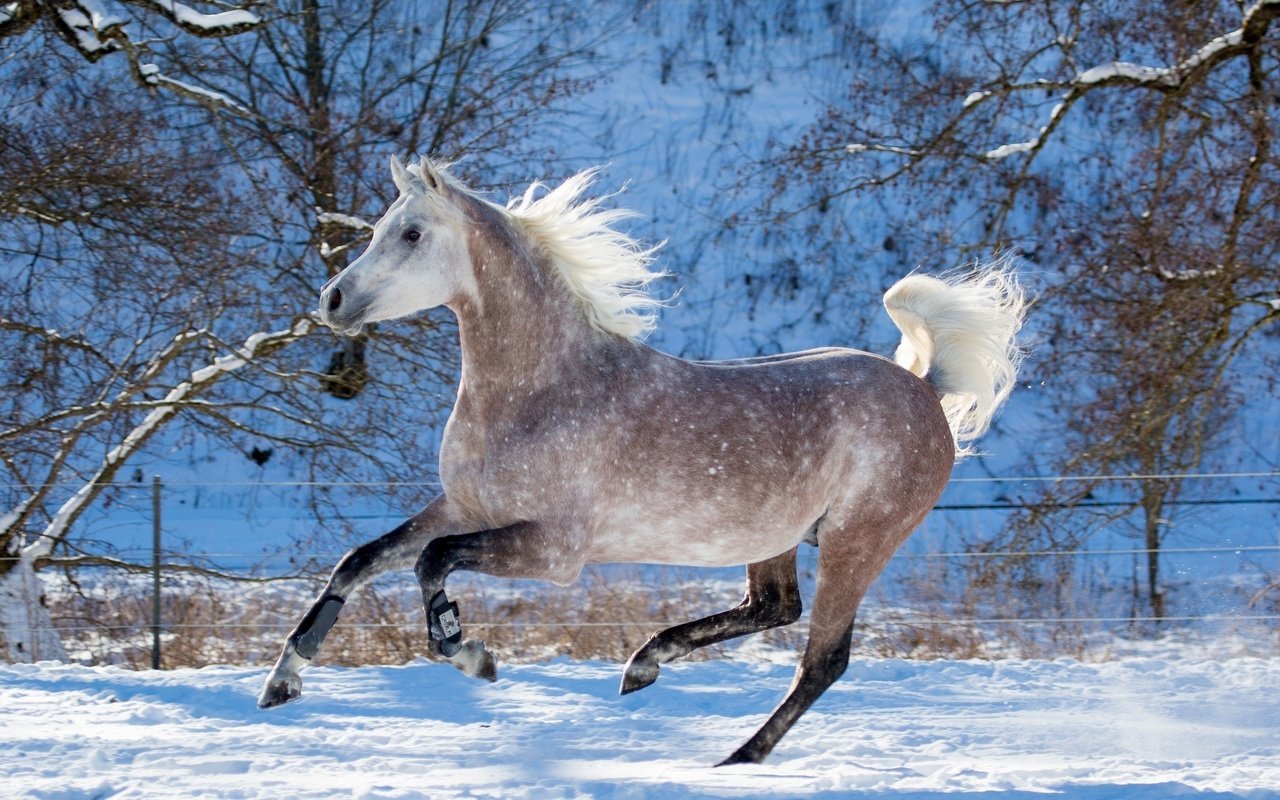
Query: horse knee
{"points": [[433, 563]]}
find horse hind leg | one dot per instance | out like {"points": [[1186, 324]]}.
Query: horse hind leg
{"points": [[846, 568], [772, 600]]}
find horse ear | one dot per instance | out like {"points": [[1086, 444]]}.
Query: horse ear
{"points": [[430, 174], [399, 174]]}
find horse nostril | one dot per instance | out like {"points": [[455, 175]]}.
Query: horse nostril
{"points": [[335, 299]]}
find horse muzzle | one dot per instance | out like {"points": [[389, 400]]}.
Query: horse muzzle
{"points": [[338, 311]]}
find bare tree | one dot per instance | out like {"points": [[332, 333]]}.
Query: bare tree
{"points": [[1129, 150], [328, 91], [166, 250], [93, 30], [119, 245]]}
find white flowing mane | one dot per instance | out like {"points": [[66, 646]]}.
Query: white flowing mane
{"points": [[607, 270]]}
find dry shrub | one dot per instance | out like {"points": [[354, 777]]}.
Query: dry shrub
{"points": [[970, 608], [938, 610], [606, 615]]}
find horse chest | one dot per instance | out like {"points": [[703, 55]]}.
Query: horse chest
{"points": [[504, 469]]}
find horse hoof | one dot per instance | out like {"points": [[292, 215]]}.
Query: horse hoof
{"points": [[277, 693], [474, 659], [637, 675]]}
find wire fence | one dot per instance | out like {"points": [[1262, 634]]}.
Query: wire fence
{"points": [[163, 561], [658, 623], [967, 554], [1005, 479]]}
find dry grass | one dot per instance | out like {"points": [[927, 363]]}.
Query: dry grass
{"points": [[932, 609], [606, 615], [941, 609]]}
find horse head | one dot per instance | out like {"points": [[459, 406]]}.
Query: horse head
{"points": [[416, 260]]}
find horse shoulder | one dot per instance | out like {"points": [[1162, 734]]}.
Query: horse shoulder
{"points": [[462, 455]]}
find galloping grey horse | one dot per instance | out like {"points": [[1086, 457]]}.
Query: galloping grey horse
{"points": [[573, 443]]}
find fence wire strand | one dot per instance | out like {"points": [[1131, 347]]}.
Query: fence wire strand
{"points": [[940, 554], [1168, 476], [208, 557], [143, 627]]}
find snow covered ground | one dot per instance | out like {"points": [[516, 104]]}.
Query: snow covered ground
{"points": [[1139, 727]]}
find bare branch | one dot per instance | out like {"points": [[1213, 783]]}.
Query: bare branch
{"points": [[258, 345], [168, 568]]}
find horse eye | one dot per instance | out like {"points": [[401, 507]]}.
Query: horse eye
{"points": [[412, 236]]}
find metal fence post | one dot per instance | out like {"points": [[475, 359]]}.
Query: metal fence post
{"points": [[155, 572]]}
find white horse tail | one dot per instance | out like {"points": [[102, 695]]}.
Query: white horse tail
{"points": [[959, 331]]}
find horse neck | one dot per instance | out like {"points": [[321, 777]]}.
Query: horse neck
{"points": [[518, 323]]}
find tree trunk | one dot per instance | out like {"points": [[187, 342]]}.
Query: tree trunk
{"points": [[26, 629], [347, 372]]}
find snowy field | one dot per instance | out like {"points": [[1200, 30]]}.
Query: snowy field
{"points": [[1139, 727]]}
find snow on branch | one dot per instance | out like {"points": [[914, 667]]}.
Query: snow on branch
{"points": [[1170, 77], [89, 28], [854, 149], [1188, 273], [98, 16], [344, 220], [223, 23], [150, 74], [257, 345], [1006, 150], [1254, 24]]}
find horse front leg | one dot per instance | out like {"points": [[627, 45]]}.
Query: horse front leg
{"points": [[522, 550], [772, 600], [394, 550]]}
